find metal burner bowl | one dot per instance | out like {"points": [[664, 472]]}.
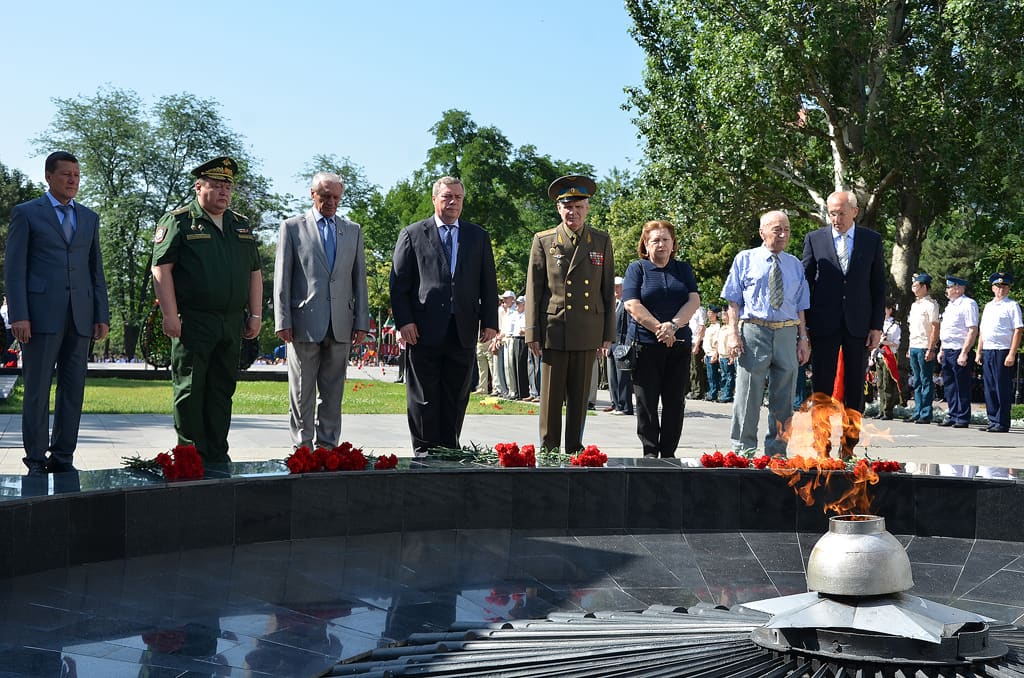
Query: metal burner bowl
{"points": [[857, 557]]}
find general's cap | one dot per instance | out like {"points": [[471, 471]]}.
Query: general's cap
{"points": [[220, 169], [923, 278], [1000, 278], [571, 187], [950, 281]]}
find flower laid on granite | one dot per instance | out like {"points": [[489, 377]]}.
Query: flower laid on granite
{"points": [[590, 456], [475, 453], [794, 463], [509, 455], [384, 463], [182, 463], [879, 465], [728, 460], [344, 457]]}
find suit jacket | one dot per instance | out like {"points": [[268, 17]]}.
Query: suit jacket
{"points": [[43, 273], [858, 297], [570, 294], [424, 292], [308, 297]]}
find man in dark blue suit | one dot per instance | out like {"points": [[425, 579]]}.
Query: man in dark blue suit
{"points": [[846, 274], [57, 301], [443, 288]]}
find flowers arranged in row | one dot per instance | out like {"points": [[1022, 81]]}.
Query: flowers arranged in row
{"points": [[795, 463], [511, 455], [181, 463], [344, 457]]}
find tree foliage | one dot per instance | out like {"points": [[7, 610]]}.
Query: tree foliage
{"points": [[754, 105], [135, 164], [506, 193], [15, 188]]}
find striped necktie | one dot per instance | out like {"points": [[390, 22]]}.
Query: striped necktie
{"points": [[843, 252]]}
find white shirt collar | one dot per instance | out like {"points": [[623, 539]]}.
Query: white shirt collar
{"points": [[835, 233]]}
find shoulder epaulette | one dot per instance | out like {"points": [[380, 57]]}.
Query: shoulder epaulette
{"points": [[180, 210]]}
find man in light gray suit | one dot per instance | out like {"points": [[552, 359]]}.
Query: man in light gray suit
{"points": [[320, 310], [57, 303]]}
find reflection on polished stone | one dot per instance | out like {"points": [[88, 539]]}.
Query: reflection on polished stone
{"points": [[295, 608], [186, 605]]}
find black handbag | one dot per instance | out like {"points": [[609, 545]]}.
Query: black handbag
{"points": [[625, 356]]}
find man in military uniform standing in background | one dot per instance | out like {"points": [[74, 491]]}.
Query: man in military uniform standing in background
{"points": [[570, 310], [206, 271]]}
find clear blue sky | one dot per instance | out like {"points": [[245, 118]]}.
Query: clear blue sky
{"points": [[360, 79]]}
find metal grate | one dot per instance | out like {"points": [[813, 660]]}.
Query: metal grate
{"points": [[661, 641]]}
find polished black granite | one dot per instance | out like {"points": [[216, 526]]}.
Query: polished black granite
{"points": [[257, 573], [295, 608]]}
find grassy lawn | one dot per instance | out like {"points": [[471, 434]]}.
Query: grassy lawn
{"points": [[127, 396]]}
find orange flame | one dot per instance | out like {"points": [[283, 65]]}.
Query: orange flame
{"points": [[822, 418]]}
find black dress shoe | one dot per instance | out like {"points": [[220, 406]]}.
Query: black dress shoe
{"points": [[58, 466], [887, 417], [948, 422], [922, 421], [997, 429], [910, 420], [964, 425]]}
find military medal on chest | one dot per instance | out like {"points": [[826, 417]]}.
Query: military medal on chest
{"points": [[556, 250]]}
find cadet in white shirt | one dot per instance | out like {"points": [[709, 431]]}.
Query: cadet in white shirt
{"points": [[923, 326], [957, 332], [998, 341]]}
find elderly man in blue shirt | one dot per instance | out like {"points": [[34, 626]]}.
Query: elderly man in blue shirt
{"points": [[767, 335]]}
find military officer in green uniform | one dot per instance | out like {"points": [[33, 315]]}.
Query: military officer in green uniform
{"points": [[570, 310], [206, 271]]}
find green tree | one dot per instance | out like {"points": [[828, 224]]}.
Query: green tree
{"points": [[753, 105], [15, 188], [135, 167]]}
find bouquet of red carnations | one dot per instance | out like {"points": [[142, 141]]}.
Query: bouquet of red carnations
{"points": [[590, 456], [510, 456]]}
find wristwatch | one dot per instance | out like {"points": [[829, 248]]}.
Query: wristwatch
{"points": [[675, 328]]}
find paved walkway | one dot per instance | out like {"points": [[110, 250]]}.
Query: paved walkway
{"points": [[106, 438]]}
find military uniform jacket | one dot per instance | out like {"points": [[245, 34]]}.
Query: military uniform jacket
{"points": [[212, 269], [570, 292]]}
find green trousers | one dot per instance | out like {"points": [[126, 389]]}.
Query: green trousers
{"points": [[204, 369]]}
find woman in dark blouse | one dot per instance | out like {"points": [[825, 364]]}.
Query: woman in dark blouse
{"points": [[660, 294]]}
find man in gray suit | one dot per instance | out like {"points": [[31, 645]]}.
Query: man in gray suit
{"points": [[320, 310], [57, 301]]}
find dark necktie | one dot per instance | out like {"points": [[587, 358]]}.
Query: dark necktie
{"points": [[330, 242], [448, 244], [775, 291], [66, 223]]}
